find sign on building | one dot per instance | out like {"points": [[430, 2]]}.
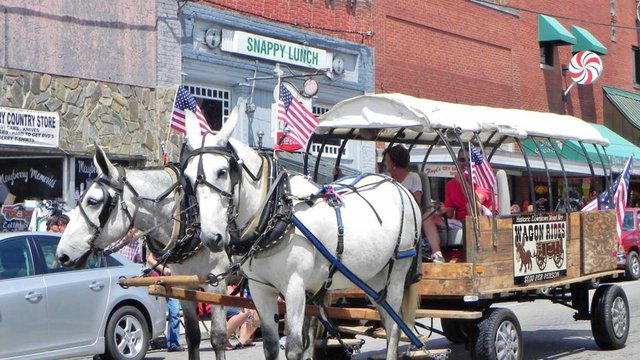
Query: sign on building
{"points": [[280, 51], [29, 128]]}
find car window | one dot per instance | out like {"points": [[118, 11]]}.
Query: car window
{"points": [[627, 222], [15, 259], [49, 245]]}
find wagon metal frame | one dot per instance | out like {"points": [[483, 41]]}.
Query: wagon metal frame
{"points": [[462, 294]]}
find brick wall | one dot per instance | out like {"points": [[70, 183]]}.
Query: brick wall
{"points": [[468, 52], [334, 18], [169, 40]]}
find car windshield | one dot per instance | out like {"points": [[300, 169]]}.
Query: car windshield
{"points": [[627, 223]]}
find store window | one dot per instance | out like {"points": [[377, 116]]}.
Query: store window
{"points": [[214, 103], [30, 178], [86, 171], [636, 65], [546, 54], [332, 147]]}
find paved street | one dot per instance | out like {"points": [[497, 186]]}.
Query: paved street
{"points": [[549, 332]]}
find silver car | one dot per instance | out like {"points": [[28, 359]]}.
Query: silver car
{"points": [[50, 312]]}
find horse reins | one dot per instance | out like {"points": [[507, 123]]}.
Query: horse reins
{"points": [[118, 186]]}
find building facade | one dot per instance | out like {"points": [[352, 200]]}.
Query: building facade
{"points": [[516, 54], [77, 73], [231, 50]]}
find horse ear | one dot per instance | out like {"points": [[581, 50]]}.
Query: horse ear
{"points": [[103, 165], [227, 129], [193, 132]]}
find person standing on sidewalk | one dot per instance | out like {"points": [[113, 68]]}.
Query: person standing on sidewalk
{"points": [[173, 307]]}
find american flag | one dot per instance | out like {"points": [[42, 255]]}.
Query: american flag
{"points": [[481, 171], [296, 116], [615, 196], [184, 100]]}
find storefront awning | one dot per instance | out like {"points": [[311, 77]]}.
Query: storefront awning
{"points": [[618, 151], [586, 41], [627, 102], [550, 30]]}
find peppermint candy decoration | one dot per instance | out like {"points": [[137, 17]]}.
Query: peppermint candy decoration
{"points": [[585, 67]]}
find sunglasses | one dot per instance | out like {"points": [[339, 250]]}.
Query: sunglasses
{"points": [[462, 159]]}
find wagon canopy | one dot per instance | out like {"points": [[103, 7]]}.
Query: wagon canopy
{"points": [[381, 116]]}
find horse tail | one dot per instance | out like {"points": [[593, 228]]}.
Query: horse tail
{"points": [[410, 302]]}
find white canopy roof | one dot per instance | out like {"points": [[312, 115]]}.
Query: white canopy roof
{"points": [[384, 114]]}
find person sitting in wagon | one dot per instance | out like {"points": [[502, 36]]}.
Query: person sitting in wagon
{"points": [[449, 216], [396, 162]]}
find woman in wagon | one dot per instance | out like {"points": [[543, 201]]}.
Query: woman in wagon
{"points": [[454, 209]]}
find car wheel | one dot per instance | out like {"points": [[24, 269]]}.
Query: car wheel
{"points": [[610, 317], [632, 269], [497, 337], [127, 335]]}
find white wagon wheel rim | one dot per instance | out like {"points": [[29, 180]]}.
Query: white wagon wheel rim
{"points": [[507, 342], [619, 317]]}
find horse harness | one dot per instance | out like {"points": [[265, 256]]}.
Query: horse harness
{"points": [[184, 247]]}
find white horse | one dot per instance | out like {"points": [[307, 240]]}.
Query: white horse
{"points": [[381, 220], [147, 200]]}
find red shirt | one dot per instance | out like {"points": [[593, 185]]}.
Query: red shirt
{"points": [[455, 199]]}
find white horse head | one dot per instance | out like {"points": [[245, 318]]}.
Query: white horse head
{"points": [[149, 200], [93, 224], [216, 174]]}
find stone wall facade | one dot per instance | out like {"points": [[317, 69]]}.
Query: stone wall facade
{"points": [[127, 121]]}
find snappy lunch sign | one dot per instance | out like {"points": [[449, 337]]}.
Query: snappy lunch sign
{"points": [[263, 47]]}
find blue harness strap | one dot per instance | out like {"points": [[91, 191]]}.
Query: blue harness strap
{"points": [[359, 283]]}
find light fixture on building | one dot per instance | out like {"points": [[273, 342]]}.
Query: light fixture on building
{"points": [[310, 87], [212, 37], [337, 65]]}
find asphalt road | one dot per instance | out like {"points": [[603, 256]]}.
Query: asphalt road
{"points": [[549, 332]]}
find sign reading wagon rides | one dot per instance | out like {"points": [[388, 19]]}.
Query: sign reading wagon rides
{"points": [[539, 247]]}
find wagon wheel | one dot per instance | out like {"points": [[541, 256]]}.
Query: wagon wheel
{"points": [[541, 260], [497, 337], [610, 317], [558, 258]]}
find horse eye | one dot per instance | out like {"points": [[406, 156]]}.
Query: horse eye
{"points": [[92, 201], [221, 173]]}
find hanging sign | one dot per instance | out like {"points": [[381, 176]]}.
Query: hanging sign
{"points": [[263, 47], [29, 128], [585, 67]]}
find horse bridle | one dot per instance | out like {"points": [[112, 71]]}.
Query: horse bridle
{"points": [[236, 169], [235, 174], [105, 183]]}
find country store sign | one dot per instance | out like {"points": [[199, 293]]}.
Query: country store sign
{"points": [[263, 47], [29, 127]]}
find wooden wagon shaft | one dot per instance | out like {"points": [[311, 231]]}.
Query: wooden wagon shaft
{"points": [[175, 280], [332, 312]]}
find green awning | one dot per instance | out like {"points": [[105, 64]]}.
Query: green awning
{"points": [[618, 151], [586, 41], [627, 102], [550, 30]]}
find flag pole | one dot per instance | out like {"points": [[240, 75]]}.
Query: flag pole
{"points": [[173, 105], [279, 73]]}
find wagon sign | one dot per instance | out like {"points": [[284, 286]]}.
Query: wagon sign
{"points": [[539, 243]]}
